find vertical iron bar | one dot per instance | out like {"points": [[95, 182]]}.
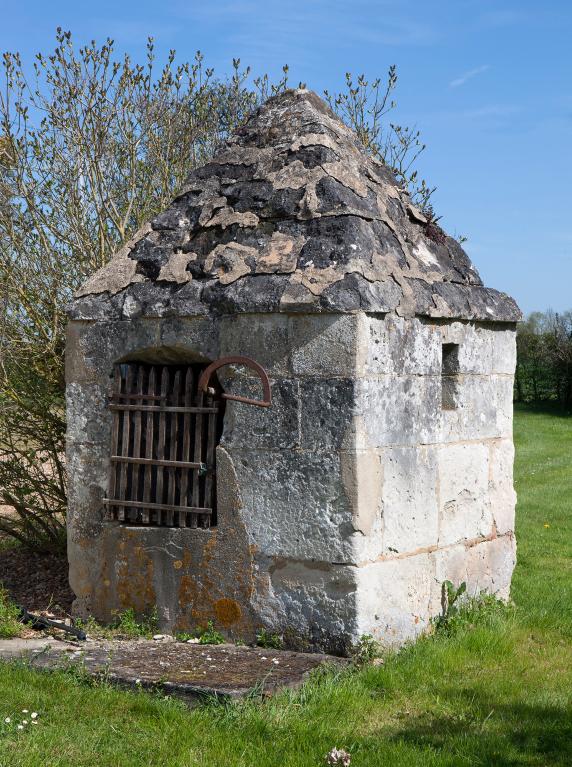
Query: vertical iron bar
{"points": [[173, 437], [148, 478], [198, 457], [210, 463], [136, 452], [161, 441], [123, 472], [186, 452]]}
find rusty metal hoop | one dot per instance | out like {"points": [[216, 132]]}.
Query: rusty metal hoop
{"points": [[247, 362]]}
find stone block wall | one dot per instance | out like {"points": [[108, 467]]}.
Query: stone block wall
{"points": [[447, 499], [341, 509]]}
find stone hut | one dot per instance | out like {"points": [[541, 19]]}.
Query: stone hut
{"points": [[383, 465]]}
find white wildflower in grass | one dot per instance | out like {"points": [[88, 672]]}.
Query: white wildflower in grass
{"points": [[34, 715], [34, 723], [7, 720], [338, 756], [20, 726], [24, 721], [24, 710]]}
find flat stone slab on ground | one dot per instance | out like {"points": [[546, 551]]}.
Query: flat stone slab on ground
{"points": [[185, 670]]}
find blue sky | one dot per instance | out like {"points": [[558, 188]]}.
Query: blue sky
{"points": [[487, 83]]}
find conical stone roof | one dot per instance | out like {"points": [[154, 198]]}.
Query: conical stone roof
{"points": [[293, 215]]}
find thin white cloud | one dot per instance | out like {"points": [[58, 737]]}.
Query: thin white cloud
{"points": [[458, 81]]}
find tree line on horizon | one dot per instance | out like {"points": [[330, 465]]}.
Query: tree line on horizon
{"points": [[544, 359]]}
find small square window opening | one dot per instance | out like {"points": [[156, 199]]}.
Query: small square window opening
{"points": [[450, 376]]}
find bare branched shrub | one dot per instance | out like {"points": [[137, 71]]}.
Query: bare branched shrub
{"points": [[363, 106], [90, 148]]}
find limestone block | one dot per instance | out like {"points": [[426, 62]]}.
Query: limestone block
{"points": [[410, 505], [190, 338], [400, 410], [251, 427], [414, 348], [484, 409], [452, 332], [327, 407], [394, 598], [190, 575], [501, 488], [88, 416], [504, 350], [87, 469], [316, 599], [262, 337], [476, 351], [475, 346], [490, 565], [401, 347], [484, 349], [122, 340], [484, 567], [84, 556], [294, 504], [374, 358], [504, 387], [92, 348], [76, 368], [324, 344], [362, 477], [465, 510]]}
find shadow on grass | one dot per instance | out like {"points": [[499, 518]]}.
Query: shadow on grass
{"points": [[504, 735], [543, 408]]}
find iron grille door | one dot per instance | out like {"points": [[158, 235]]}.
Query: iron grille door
{"points": [[164, 438]]}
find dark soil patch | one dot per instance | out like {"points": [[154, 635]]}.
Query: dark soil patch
{"points": [[38, 582]]}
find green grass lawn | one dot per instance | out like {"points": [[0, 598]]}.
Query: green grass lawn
{"points": [[498, 691]]}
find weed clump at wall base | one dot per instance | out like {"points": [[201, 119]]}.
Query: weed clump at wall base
{"points": [[481, 611], [127, 624], [210, 635], [268, 640]]}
